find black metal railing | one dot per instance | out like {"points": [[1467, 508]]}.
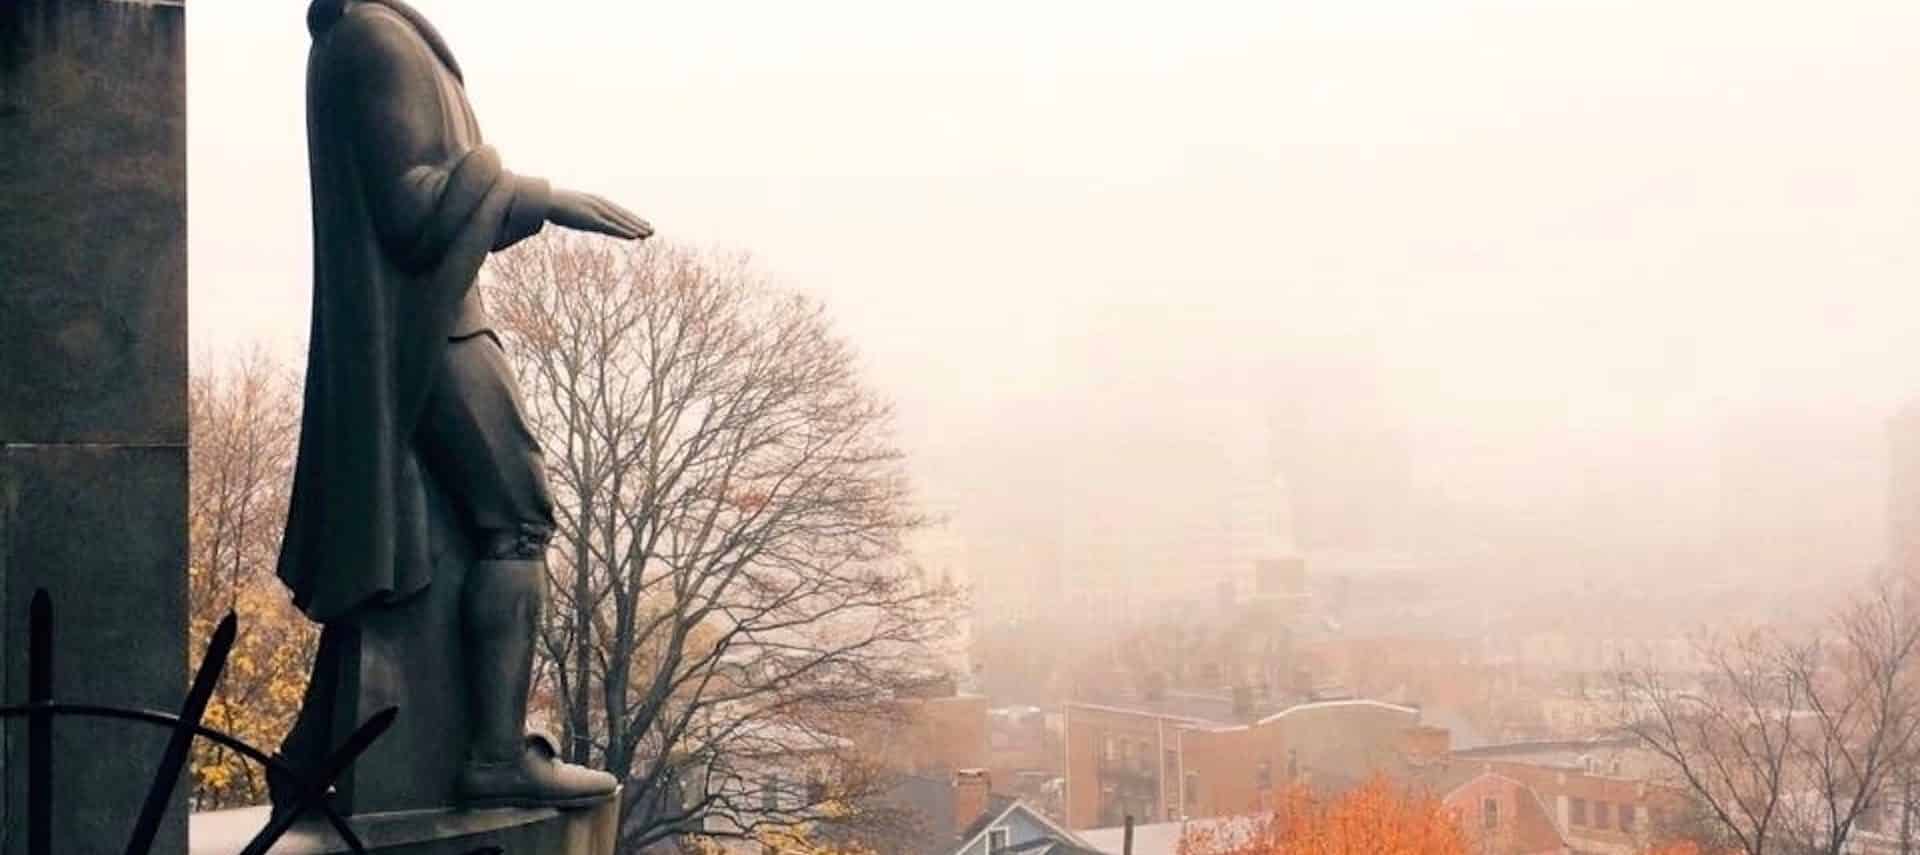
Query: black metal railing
{"points": [[41, 709]]}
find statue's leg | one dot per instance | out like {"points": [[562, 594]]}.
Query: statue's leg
{"points": [[476, 440]]}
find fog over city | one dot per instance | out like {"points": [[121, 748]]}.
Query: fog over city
{"points": [[1295, 394], [1591, 270], [1542, 289]]}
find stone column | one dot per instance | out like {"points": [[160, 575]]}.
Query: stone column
{"points": [[93, 396]]}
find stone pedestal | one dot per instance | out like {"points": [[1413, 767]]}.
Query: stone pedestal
{"points": [[588, 831], [93, 395], [408, 655]]}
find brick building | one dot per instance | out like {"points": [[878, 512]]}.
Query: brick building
{"points": [[1158, 766], [931, 736], [1598, 794], [1502, 816]]}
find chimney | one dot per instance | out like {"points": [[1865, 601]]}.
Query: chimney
{"points": [[1426, 742], [1156, 686], [971, 788]]}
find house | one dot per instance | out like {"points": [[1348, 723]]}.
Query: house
{"points": [[776, 770], [1013, 827], [963, 814], [1601, 793], [1502, 816], [1163, 838]]}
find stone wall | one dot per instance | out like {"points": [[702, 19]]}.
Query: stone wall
{"points": [[93, 380]]}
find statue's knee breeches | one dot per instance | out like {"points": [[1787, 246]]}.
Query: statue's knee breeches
{"points": [[477, 444]]}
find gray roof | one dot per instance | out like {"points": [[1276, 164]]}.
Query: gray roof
{"points": [[1163, 838]]}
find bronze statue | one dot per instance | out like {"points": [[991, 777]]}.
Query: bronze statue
{"points": [[415, 459]]}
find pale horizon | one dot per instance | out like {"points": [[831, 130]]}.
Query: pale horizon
{"points": [[1573, 253]]}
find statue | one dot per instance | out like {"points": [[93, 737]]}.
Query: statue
{"points": [[420, 512]]}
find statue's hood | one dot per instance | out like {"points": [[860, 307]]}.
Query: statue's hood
{"points": [[322, 14]]}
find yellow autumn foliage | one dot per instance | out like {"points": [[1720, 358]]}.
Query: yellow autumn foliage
{"points": [[244, 420]]}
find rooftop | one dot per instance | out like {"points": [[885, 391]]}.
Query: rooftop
{"points": [[1163, 838], [1198, 710]]}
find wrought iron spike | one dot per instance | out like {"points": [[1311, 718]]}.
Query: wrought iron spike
{"points": [[180, 744]]}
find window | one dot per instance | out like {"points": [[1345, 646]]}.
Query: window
{"points": [[997, 840], [1579, 812], [1490, 813], [1293, 765], [1600, 814], [1869, 819], [1626, 817], [1109, 752], [1263, 776], [770, 795]]}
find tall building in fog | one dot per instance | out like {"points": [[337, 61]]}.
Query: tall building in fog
{"points": [[1008, 517], [1170, 492], [1343, 450], [941, 557], [1803, 493], [1257, 517], [1903, 489]]}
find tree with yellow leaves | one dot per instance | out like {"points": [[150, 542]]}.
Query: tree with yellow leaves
{"points": [[244, 420], [797, 840]]}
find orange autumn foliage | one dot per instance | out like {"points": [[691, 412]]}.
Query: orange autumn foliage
{"points": [[1682, 847], [1376, 819]]}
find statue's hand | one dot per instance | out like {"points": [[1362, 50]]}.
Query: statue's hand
{"points": [[589, 213]]}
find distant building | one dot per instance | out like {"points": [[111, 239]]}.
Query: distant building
{"points": [[1903, 489], [940, 557], [930, 735], [1600, 794], [1018, 828], [1163, 838], [1803, 491], [1502, 816], [779, 771], [962, 815], [1345, 450], [1161, 763]]}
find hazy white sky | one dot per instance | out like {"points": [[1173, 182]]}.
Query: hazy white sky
{"points": [[1560, 227]]}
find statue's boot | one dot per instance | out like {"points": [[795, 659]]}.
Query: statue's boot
{"points": [[506, 767]]}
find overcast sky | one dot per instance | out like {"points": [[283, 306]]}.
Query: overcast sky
{"points": [[1556, 227]]}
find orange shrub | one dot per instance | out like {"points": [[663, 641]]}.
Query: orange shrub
{"points": [[1376, 819]]}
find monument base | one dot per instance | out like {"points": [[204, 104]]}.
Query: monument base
{"points": [[586, 831]]}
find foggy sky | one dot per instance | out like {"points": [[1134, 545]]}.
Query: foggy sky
{"points": [[1576, 256]]}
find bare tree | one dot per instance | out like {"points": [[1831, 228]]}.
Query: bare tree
{"points": [[730, 595], [244, 419], [1787, 743]]}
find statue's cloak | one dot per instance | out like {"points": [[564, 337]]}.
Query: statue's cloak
{"points": [[406, 205]]}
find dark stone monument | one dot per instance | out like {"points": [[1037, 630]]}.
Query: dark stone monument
{"points": [[534, 831], [93, 403], [420, 513]]}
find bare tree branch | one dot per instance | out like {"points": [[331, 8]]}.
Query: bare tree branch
{"points": [[732, 598]]}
